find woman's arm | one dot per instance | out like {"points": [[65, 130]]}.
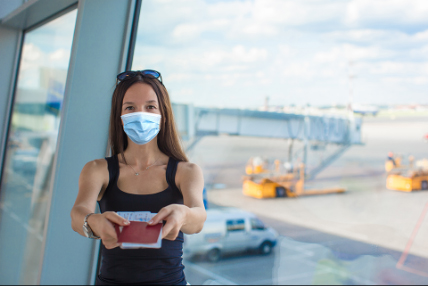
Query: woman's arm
{"points": [[93, 179], [190, 217]]}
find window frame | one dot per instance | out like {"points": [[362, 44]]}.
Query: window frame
{"points": [[31, 15]]}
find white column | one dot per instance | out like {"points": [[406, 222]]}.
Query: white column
{"points": [[98, 53]]}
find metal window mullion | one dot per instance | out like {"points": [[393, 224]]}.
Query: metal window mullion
{"points": [[10, 102], [51, 17], [133, 36]]}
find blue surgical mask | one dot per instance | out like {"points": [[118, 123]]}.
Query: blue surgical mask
{"points": [[141, 127]]}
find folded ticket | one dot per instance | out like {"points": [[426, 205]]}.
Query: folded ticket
{"points": [[139, 234]]}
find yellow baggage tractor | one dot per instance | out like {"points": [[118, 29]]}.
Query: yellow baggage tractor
{"points": [[412, 178], [261, 184], [413, 182]]}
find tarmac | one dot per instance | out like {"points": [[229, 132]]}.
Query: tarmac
{"points": [[367, 212]]}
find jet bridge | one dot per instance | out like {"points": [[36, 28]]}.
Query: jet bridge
{"points": [[343, 131]]}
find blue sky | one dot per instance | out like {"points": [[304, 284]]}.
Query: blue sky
{"points": [[235, 53], [48, 46]]}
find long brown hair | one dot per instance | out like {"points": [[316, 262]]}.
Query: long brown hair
{"points": [[168, 139]]}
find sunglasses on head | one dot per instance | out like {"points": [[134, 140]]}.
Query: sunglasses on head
{"points": [[145, 73]]}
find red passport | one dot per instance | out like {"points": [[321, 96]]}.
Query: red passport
{"points": [[139, 232]]}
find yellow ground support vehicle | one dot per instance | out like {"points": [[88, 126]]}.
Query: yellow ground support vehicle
{"points": [[394, 162], [408, 179], [261, 183]]}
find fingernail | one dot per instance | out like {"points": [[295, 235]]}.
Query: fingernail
{"points": [[126, 222], [150, 222]]}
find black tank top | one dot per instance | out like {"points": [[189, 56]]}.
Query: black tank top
{"points": [[141, 266]]}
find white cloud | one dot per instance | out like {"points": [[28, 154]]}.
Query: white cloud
{"points": [[419, 53], [187, 31], [190, 31], [254, 29], [352, 53], [178, 76], [240, 53], [32, 54], [293, 47], [297, 12], [304, 69], [362, 12], [421, 36], [285, 50], [385, 38], [418, 80], [35, 61], [413, 69], [60, 57], [220, 58], [186, 93], [35, 57]]}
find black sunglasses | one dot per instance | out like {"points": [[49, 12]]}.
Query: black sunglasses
{"points": [[130, 74]]}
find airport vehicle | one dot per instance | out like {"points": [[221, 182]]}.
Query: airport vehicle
{"points": [[394, 162], [261, 183], [407, 178], [230, 230]]}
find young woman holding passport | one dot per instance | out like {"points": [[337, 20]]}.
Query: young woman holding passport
{"points": [[148, 171]]}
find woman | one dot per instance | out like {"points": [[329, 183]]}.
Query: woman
{"points": [[148, 171]]}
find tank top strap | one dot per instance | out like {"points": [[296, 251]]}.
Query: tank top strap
{"points": [[171, 171], [113, 170]]}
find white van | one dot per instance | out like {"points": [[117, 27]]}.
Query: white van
{"points": [[230, 230]]}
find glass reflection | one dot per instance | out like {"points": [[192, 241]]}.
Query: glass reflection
{"points": [[231, 65], [31, 148]]}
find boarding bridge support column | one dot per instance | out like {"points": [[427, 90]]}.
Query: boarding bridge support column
{"points": [[306, 141]]}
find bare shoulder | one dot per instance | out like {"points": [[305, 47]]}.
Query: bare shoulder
{"points": [[95, 166], [94, 177], [188, 169], [96, 171], [92, 181], [188, 173]]}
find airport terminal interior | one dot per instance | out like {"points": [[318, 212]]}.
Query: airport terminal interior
{"points": [[309, 120]]}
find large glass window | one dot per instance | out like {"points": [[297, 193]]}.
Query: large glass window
{"points": [[31, 147], [305, 113]]}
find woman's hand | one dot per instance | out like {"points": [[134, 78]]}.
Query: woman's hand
{"points": [[102, 225], [175, 217]]}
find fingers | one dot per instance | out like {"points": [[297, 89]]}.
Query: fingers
{"points": [[109, 236], [167, 228], [174, 221], [171, 229], [115, 218], [162, 215], [108, 233], [110, 245]]}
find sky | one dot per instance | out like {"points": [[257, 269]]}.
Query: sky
{"points": [[47, 47], [236, 53]]}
